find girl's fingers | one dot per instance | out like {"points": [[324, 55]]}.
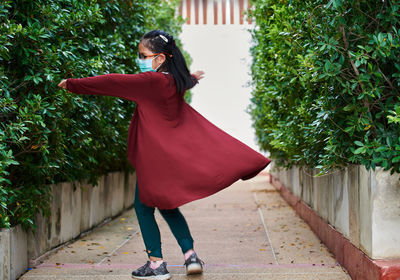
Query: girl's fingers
{"points": [[199, 74], [63, 84]]}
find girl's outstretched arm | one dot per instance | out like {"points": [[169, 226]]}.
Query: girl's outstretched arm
{"points": [[132, 87]]}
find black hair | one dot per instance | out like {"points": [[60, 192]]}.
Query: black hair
{"points": [[161, 42]]}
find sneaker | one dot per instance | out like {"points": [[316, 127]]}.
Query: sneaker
{"points": [[146, 272], [193, 265]]}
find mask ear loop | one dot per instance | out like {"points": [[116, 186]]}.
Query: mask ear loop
{"points": [[155, 58], [158, 65], [170, 55]]}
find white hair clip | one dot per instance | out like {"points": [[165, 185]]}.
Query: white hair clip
{"points": [[164, 38]]}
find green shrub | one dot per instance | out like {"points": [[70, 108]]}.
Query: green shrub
{"points": [[326, 77], [48, 135]]}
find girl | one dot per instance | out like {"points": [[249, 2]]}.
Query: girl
{"points": [[179, 156]]}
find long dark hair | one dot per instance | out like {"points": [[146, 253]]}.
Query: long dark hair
{"points": [[161, 42]]}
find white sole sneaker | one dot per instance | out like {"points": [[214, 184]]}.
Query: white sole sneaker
{"points": [[194, 268], [156, 277]]}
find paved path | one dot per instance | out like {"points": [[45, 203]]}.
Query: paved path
{"points": [[246, 231]]}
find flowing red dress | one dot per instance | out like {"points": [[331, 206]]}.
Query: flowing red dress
{"points": [[179, 155]]}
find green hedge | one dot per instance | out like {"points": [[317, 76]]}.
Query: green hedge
{"points": [[48, 135], [326, 78]]}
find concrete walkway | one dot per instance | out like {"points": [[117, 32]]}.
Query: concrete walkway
{"points": [[246, 231]]}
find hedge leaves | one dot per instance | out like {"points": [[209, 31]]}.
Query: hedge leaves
{"points": [[48, 135], [326, 77]]}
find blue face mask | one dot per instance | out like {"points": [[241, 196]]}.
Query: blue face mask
{"points": [[146, 64]]}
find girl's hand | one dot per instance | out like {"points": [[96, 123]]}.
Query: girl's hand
{"points": [[63, 84], [198, 74]]}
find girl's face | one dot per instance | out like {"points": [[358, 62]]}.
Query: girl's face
{"points": [[148, 54]]}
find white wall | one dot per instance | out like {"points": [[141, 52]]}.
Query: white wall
{"points": [[222, 51]]}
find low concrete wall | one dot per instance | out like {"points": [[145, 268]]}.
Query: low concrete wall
{"points": [[5, 255], [73, 211], [13, 252], [362, 205]]}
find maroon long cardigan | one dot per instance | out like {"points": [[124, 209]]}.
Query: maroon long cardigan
{"points": [[179, 155]]}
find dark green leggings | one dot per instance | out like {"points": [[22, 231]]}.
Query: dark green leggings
{"points": [[151, 233]]}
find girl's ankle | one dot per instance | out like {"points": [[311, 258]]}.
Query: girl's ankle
{"points": [[156, 264], [151, 258], [188, 254]]}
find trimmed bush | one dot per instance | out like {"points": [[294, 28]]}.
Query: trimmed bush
{"points": [[48, 135], [326, 77]]}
